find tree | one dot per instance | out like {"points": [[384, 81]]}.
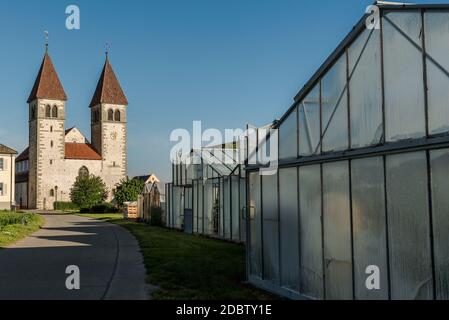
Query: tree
{"points": [[128, 190], [88, 191]]}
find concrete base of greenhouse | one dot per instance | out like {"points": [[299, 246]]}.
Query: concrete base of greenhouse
{"points": [[275, 289]]}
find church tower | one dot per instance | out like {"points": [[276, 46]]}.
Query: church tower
{"points": [[108, 125], [46, 134]]}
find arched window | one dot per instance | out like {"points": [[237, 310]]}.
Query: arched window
{"points": [[33, 112], [47, 111], [110, 115], [54, 112], [96, 116], [117, 115], [83, 173], [52, 193]]}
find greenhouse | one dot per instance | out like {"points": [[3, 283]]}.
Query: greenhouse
{"points": [[207, 197], [363, 173]]}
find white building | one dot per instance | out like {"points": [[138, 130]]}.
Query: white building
{"points": [[47, 169], [7, 160]]}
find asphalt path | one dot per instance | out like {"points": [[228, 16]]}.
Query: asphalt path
{"points": [[107, 256]]}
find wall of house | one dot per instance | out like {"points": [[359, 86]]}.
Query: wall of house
{"points": [[7, 177]]}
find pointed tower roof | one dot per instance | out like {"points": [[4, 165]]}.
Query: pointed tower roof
{"points": [[108, 88], [47, 84]]}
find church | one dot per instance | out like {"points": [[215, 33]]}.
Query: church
{"points": [[56, 156]]}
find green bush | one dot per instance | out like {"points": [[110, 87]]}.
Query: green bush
{"points": [[156, 216], [87, 192], [65, 206], [128, 190]]}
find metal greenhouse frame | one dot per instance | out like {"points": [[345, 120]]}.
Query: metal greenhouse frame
{"points": [[363, 170], [208, 198]]}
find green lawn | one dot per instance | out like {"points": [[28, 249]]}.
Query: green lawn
{"points": [[15, 226], [190, 267]]}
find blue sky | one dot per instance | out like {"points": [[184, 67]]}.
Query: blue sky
{"points": [[224, 62]]}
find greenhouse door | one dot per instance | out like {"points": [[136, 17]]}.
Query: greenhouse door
{"points": [[188, 221], [255, 226]]}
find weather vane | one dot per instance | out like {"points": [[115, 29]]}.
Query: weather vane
{"points": [[46, 40], [107, 47]]}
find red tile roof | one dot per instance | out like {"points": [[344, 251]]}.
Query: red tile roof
{"points": [[108, 88], [25, 155], [47, 84], [6, 150], [81, 151]]}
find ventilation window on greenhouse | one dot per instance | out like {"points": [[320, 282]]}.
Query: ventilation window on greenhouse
{"points": [[403, 68], [288, 137], [437, 48], [335, 108], [309, 123], [365, 89]]}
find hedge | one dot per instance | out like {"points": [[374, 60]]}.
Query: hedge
{"points": [[101, 208], [65, 206]]}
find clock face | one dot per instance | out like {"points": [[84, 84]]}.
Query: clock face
{"points": [[114, 136]]}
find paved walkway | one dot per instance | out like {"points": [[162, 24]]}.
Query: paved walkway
{"points": [[107, 255]]}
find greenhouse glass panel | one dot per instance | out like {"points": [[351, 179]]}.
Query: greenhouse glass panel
{"points": [[310, 233], [200, 206], [188, 198], [270, 228], [288, 143], [369, 226], [255, 225], [335, 108], [309, 123], [235, 202], [337, 231], [403, 69], [440, 200], [408, 226], [227, 208], [243, 205], [222, 211], [437, 48], [365, 89], [208, 207], [195, 206], [288, 215], [178, 207]]}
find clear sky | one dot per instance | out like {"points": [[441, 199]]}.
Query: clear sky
{"points": [[224, 62]]}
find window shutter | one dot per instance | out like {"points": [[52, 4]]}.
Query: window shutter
{"points": [[5, 189]]}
